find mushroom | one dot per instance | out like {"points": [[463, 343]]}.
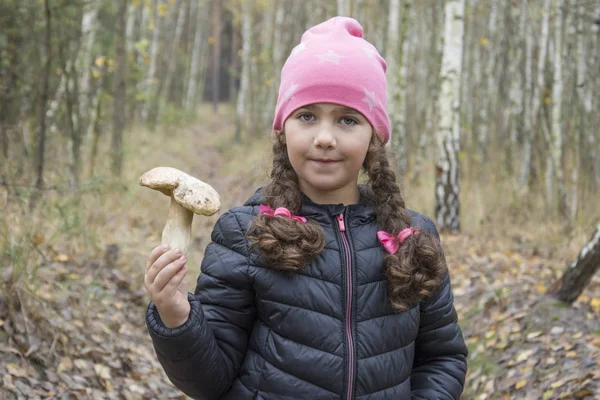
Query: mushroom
{"points": [[189, 196]]}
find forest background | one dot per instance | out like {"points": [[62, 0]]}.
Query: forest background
{"points": [[494, 136]]}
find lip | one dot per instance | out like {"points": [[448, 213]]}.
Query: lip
{"points": [[324, 160]]}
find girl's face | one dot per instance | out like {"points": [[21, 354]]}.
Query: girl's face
{"points": [[327, 144]]}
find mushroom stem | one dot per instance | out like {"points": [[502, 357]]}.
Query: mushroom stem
{"points": [[177, 231]]}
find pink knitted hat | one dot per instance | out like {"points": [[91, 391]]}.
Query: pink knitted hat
{"points": [[334, 64]]}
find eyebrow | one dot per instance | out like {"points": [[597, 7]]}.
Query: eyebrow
{"points": [[343, 109]]}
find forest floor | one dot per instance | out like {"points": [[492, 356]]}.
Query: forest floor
{"points": [[79, 331]]}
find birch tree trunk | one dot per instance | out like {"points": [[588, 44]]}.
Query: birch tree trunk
{"points": [[199, 49], [342, 8], [530, 136], [448, 145], [89, 26], [486, 103], [150, 80], [277, 58], [431, 115], [401, 122], [246, 60], [586, 90], [391, 58], [171, 59], [556, 147], [580, 272], [216, 71], [268, 69], [119, 110]]}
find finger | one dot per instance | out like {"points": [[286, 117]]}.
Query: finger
{"points": [[171, 286], [162, 261], [165, 274], [154, 254]]}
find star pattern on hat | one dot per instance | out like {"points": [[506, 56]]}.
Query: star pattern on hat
{"points": [[299, 48], [289, 93], [370, 99], [330, 56], [370, 52]]}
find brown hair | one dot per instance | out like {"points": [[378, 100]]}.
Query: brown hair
{"points": [[413, 272]]}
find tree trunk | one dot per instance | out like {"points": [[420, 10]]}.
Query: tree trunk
{"points": [[119, 111], [431, 114], [580, 272], [391, 58], [198, 51], [89, 26], [556, 147], [216, 67], [530, 136], [448, 135], [488, 82], [402, 143], [96, 117], [342, 8], [241, 110], [277, 59], [162, 90], [150, 79], [40, 147]]}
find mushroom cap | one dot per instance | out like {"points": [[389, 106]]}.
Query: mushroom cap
{"points": [[191, 193]]}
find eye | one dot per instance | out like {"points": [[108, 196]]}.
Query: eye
{"points": [[303, 117], [349, 121]]}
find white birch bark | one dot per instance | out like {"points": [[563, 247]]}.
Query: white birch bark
{"points": [[199, 48], [89, 27], [580, 273], [526, 164], [246, 60], [172, 60], [403, 99], [518, 87], [592, 102], [149, 81], [277, 59], [391, 58], [436, 41], [581, 88], [485, 100], [342, 8], [268, 69], [556, 147], [448, 135]]}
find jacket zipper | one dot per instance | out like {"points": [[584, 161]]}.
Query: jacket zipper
{"points": [[342, 226]]}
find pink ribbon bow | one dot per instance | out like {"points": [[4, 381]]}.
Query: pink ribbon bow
{"points": [[264, 209], [392, 243]]}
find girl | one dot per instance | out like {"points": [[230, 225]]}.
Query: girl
{"points": [[318, 287]]}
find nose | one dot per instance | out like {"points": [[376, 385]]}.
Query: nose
{"points": [[324, 138]]}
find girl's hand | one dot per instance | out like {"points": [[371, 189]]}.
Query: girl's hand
{"points": [[166, 284]]}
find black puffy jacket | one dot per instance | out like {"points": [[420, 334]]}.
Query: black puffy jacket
{"points": [[329, 332]]}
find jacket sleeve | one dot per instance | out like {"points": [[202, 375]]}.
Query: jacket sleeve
{"points": [[202, 357], [440, 363]]}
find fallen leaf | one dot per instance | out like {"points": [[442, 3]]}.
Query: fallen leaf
{"points": [[557, 384], [16, 370], [521, 384], [533, 335], [65, 364], [102, 371], [61, 258], [524, 355]]}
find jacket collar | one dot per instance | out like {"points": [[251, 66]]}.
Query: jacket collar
{"points": [[325, 212]]}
